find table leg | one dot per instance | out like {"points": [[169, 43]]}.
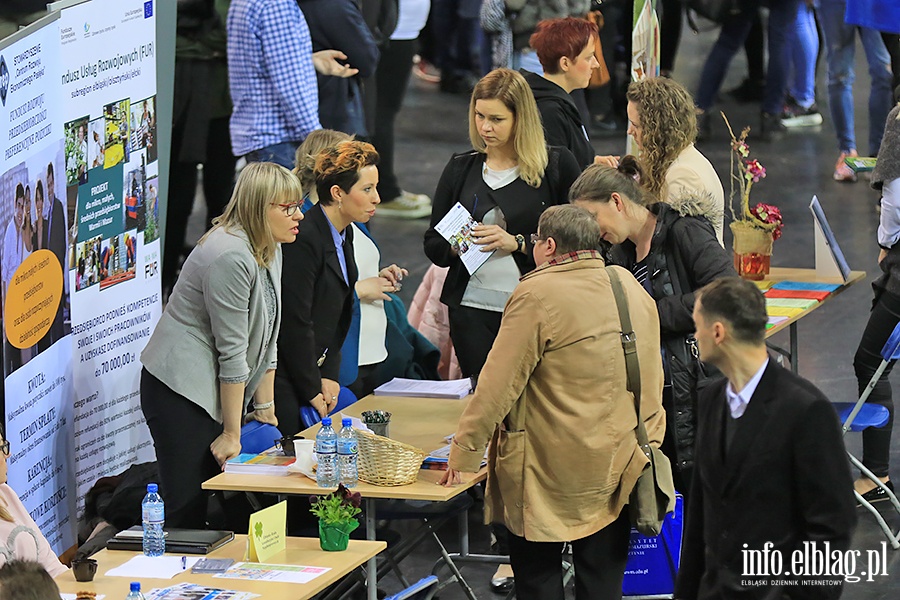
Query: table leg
{"points": [[464, 533], [371, 564], [795, 354]]}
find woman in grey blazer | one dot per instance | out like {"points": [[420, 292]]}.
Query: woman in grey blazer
{"points": [[214, 349]]}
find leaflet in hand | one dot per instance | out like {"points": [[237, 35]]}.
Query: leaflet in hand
{"points": [[456, 228]]}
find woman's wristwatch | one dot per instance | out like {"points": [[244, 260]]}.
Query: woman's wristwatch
{"points": [[520, 243]]}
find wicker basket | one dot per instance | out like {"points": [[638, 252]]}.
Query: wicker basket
{"points": [[383, 461]]}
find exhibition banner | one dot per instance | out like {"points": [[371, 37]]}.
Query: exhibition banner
{"points": [[644, 40], [37, 349], [111, 177]]}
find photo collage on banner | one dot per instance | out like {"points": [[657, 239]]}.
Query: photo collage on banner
{"points": [[108, 77], [36, 305]]}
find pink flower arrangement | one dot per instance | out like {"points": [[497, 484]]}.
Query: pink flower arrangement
{"points": [[754, 170], [745, 172], [769, 214]]}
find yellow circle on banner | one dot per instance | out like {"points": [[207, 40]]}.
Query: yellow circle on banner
{"points": [[32, 298]]}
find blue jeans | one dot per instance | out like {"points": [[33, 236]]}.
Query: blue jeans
{"points": [[840, 41], [782, 17], [804, 48], [458, 35], [280, 154]]}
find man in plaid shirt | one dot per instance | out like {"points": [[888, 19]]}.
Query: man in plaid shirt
{"points": [[272, 76]]}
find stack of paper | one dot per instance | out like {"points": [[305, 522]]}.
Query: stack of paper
{"points": [[775, 321], [423, 388], [806, 285], [192, 591], [817, 295], [270, 462], [155, 567], [439, 459], [799, 303]]}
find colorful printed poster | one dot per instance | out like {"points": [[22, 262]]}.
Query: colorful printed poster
{"points": [[36, 306], [108, 89]]}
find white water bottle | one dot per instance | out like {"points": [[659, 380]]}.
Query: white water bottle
{"points": [[326, 455], [153, 515], [347, 450]]}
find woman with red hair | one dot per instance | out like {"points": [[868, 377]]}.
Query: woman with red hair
{"points": [[319, 275], [565, 48]]}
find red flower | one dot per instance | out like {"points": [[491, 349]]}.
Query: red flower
{"points": [[771, 215], [754, 170]]}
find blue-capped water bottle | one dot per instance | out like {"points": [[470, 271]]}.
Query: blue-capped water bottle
{"points": [[347, 450], [326, 455], [135, 593], [153, 514]]}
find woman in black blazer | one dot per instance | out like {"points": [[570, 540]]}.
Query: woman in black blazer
{"points": [[505, 183], [317, 283]]}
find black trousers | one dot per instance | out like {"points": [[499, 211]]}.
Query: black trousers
{"points": [[392, 80], [670, 25], [884, 317], [599, 564], [473, 332], [182, 433], [218, 183]]}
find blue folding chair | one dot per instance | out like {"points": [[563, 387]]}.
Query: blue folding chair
{"points": [[857, 416], [424, 589], [310, 416]]}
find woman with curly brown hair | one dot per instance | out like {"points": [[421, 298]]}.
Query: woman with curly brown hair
{"points": [[663, 123], [317, 283]]}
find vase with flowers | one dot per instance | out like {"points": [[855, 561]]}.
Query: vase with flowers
{"points": [[337, 517], [754, 228]]}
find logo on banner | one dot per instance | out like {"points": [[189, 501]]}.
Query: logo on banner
{"points": [[4, 80], [148, 9]]}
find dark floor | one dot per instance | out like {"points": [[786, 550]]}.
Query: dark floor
{"points": [[432, 125]]}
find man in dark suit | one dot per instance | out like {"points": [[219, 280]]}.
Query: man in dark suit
{"points": [[57, 241], [772, 481]]}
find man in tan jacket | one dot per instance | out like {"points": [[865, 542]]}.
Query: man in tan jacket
{"points": [[552, 400]]}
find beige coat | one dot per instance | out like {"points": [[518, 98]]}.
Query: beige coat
{"points": [[552, 400]]}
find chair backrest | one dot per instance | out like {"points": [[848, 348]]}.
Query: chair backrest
{"points": [[258, 437], [423, 589], [891, 350], [310, 416]]}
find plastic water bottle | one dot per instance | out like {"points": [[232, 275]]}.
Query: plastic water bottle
{"points": [[135, 593], [347, 450], [326, 454], [153, 513]]}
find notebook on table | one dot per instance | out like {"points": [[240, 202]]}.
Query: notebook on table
{"points": [[178, 541]]}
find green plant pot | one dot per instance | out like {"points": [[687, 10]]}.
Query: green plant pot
{"points": [[334, 537]]}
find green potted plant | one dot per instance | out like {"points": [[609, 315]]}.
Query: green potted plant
{"points": [[337, 517]]}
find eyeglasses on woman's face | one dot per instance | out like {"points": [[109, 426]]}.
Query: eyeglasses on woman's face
{"points": [[4, 447], [289, 209]]}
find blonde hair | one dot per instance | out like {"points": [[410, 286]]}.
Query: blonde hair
{"points": [[259, 185], [668, 126], [305, 158], [510, 88]]}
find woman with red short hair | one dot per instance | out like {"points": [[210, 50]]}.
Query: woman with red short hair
{"points": [[565, 48]]}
